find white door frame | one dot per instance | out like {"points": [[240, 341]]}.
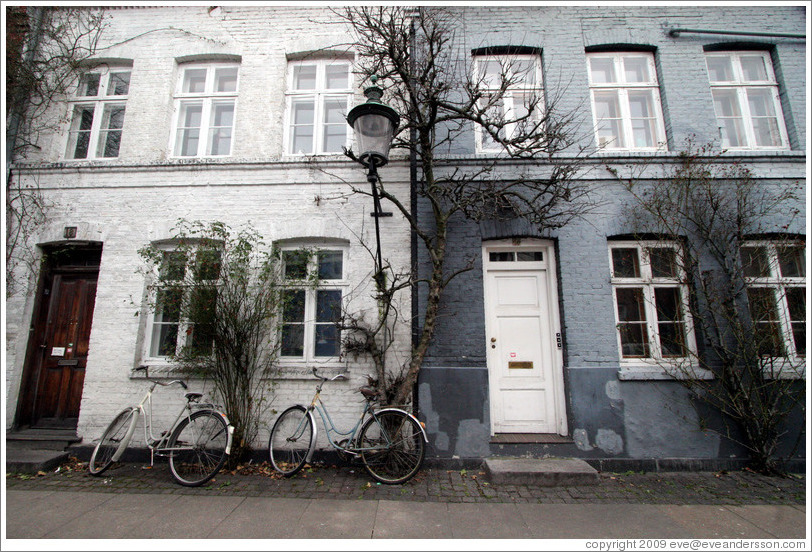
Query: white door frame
{"points": [[553, 318]]}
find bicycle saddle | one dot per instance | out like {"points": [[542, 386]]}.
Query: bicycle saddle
{"points": [[368, 392], [193, 396]]}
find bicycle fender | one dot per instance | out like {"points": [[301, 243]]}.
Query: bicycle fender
{"points": [[315, 433], [418, 422], [229, 428], [125, 442]]}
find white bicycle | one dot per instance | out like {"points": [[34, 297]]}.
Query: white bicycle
{"points": [[197, 442]]}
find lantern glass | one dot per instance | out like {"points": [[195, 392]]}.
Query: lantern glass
{"points": [[374, 133]]}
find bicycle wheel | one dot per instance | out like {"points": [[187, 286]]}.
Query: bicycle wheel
{"points": [[116, 432], [291, 439], [392, 447], [197, 447]]}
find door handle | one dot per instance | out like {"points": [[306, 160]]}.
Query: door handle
{"points": [[493, 343]]}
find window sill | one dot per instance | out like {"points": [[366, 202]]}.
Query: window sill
{"points": [[654, 372]]}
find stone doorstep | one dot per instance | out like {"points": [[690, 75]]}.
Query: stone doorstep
{"points": [[545, 472], [33, 460]]}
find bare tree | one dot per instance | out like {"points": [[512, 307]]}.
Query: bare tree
{"points": [[415, 53], [749, 368], [45, 50]]}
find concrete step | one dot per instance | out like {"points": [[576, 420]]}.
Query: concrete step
{"points": [[42, 439], [545, 472], [32, 460]]}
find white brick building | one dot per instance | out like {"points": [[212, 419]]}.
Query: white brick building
{"points": [[205, 97]]}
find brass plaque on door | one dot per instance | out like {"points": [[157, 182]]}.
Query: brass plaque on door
{"points": [[520, 365]]}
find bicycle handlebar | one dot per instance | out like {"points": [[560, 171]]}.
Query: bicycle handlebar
{"points": [[322, 378], [165, 384]]}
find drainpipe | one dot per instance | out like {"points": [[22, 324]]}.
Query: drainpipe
{"points": [[413, 207], [676, 32]]}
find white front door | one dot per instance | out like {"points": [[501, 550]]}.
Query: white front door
{"points": [[525, 361]]}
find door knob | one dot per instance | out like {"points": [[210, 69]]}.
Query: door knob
{"points": [[493, 343]]}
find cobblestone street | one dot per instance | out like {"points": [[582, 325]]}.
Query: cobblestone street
{"points": [[432, 485]]}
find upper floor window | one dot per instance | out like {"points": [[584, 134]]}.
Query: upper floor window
{"points": [[318, 99], [651, 300], [745, 98], [775, 272], [315, 283], [205, 101], [626, 101], [97, 117], [188, 284], [511, 96]]}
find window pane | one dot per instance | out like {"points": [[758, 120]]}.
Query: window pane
{"points": [[164, 340], [220, 132], [632, 326], [602, 70], [501, 257], [625, 262], [295, 264], [529, 256], [110, 134], [636, 69], [337, 77], [670, 326], [119, 84], [189, 129], [207, 264], [81, 124], [762, 111], [202, 314], [524, 72], [304, 77], [641, 107], [173, 266], [328, 305], [331, 265], [753, 68], [796, 302], [327, 342], [607, 110], [303, 118], [630, 306], [89, 84], [755, 262], [663, 262], [791, 259], [335, 126], [767, 331], [720, 68], [194, 81], [491, 72], [728, 115], [293, 309], [292, 340], [225, 79], [168, 303]]}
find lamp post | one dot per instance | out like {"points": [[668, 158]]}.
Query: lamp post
{"points": [[374, 124]]}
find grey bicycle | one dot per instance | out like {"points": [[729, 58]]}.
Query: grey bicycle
{"points": [[197, 443], [390, 442]]}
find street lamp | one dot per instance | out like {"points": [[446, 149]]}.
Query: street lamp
{"points": [[374, 124]]}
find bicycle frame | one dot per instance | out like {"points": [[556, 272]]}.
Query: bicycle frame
{"points": [[158, 445], [330, 428]]}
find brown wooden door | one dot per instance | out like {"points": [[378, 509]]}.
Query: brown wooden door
{"points": [[58, 352]]}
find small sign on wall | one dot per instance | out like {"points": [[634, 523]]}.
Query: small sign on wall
{"points": [[58, 351]]}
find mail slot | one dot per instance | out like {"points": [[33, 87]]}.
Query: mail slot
{"points": [[68, 363], [520, 365]]}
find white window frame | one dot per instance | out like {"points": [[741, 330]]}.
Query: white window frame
{"points": [[100, 103], [310, 290], [623, 88], [207, 100], [318, 95], [655, 365], [779, 284], [739, 85], [185, 326], [510, 95]]}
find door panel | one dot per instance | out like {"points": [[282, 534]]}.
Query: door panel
{"points": [[59, 358], [525, 370]]}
